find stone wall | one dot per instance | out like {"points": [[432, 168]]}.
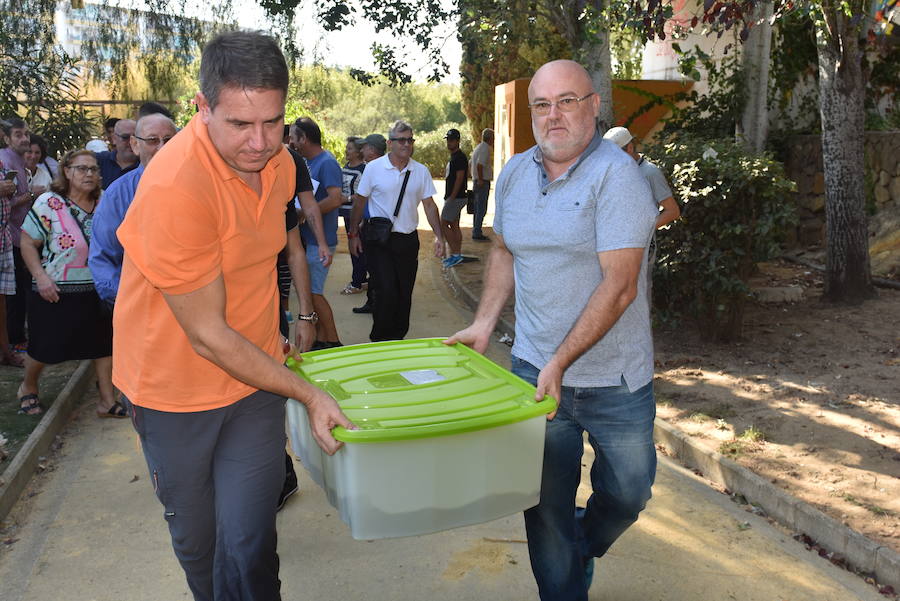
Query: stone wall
{"points": [[882, 149]]}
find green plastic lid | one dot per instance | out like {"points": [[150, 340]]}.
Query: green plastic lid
{"points": [[408, 389]]}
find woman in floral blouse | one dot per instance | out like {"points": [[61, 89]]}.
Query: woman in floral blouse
{"points": [[66, 319]]}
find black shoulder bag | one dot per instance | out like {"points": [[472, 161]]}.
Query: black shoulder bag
{"points": [[378, 229]]}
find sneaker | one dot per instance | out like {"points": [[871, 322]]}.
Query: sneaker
{"points": [[290, 482], [453, 260], [367, 308], [351, 289], [480, 238]]}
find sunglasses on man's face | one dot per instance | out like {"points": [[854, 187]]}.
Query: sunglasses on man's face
{"points": [[409, 140]]}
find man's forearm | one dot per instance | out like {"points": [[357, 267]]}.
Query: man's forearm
{"points": [[434, 218], [457, 185], [299, 272], [604, 308], [244, 361], [499, 283], [23, 199], [313, 217], [356, 213], [201, 314], [332, 201]]}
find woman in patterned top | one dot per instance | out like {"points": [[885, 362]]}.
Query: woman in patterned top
{"points": [[66, 319]]}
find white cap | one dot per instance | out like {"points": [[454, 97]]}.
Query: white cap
{"points": [[619, 136], [96, 146]]}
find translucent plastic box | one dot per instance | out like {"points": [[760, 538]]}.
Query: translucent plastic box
{"points": [[446, 437]]}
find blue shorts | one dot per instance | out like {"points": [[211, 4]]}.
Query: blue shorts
{"points": [[317, 272]]}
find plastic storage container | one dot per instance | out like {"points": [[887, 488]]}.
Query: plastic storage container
{"points": [[446, 437]]}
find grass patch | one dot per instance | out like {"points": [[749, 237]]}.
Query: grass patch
{"points": [[733, 448], [875, 509], [16, 428], [753, 434], [662, 401], [699, 417]]}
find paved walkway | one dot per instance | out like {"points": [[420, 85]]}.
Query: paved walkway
{"points": [[92, 530]]}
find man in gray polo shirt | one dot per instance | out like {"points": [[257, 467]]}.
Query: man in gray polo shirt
{"points": [[573, 220]]}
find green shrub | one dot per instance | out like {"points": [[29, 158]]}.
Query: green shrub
{"points": [[735, 207], [431, 147]]}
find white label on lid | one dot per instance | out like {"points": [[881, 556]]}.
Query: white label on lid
{"points": [[422, 376]]}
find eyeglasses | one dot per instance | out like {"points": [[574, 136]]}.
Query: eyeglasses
{"points": [[565, 105], [153, 140], [409, 140], [85, 169]]}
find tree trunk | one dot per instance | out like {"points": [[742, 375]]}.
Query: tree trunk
{"points": [[755, 58], [842, 85], [596, 58]]}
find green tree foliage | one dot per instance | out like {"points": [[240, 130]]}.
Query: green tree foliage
{"points": [[39, 82], [342, 106], [146, 54], [431, 148], [504, 40], [733, 216], [497, 49]]}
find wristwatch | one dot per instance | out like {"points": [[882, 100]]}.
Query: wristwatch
{"points": [[312, 318]]}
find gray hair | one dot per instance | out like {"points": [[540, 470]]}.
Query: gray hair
{"points": [[486, 133], [242, 59], [398, 127]]}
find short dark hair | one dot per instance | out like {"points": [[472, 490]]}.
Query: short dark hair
{"points": [[356, 141], [243, 59], [41, 143], [309, 129], [12, 123], [110, 123], [154, 108]]}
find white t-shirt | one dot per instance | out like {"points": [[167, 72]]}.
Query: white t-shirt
{"points": [[381, 183], [482, 155], [40, 177]]}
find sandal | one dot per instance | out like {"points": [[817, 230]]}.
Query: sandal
{"points": [[116, 410], [30, 405]]}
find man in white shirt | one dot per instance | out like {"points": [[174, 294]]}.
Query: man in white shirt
{"points": [[392, 186], [481, 166]]}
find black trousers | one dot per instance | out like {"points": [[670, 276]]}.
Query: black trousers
{"points": [[17, 306], [393, 267]]}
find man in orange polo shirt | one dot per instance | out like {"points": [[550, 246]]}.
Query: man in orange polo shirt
{"points": [[197, 350]]}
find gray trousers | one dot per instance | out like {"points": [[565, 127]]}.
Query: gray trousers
{"points": [[218, 474]]}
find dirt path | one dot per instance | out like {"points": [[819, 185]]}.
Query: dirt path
{"points": [[810, 399]]}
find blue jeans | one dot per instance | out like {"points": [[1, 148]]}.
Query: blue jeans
{"points": [[481, 203], [561, 538]]}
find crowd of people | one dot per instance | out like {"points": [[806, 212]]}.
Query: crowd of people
{"points": [[189, 241], [67, 214]]}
